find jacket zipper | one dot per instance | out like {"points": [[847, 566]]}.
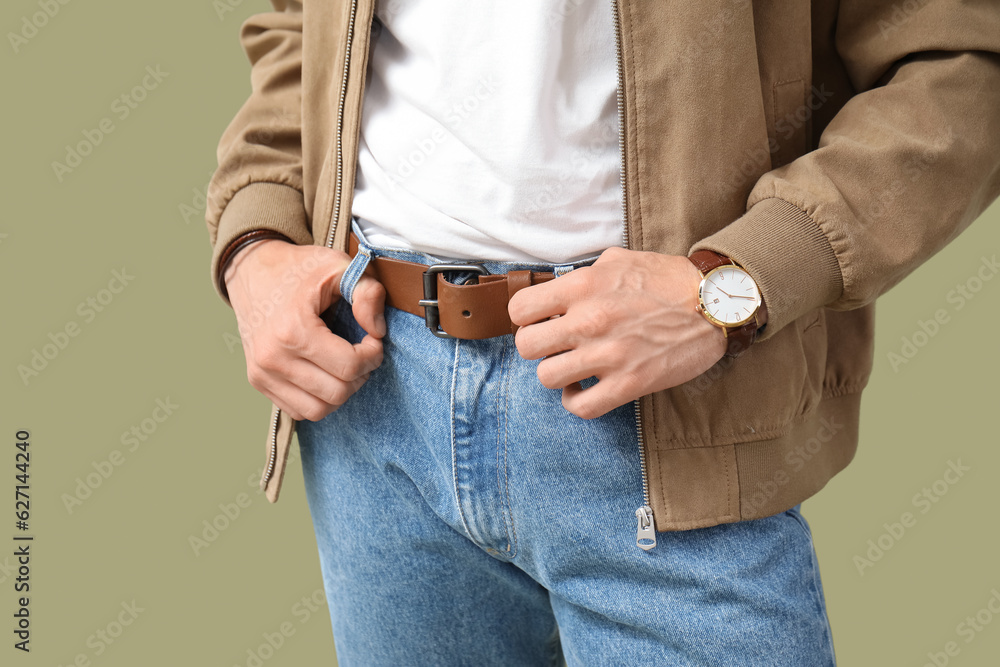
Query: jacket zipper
{"points": [[339, 191], [645, 534], [338, 196], [272, 452]]}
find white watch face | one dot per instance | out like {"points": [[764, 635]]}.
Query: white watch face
{"points": [[729, 296]]}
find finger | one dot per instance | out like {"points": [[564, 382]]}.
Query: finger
{"points": [[594, 401], [335, 263], [369, 306], [295, 402], [341, 359], [563, 370], [331, 391], [542, 301], [544, 339]]}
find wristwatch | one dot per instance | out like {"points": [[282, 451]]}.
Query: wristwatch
{"points": [[730, 299]]}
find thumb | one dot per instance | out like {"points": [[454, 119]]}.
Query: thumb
{"points": [[369, 306], [330, 266]]}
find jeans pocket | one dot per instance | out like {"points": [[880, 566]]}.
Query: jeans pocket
{"points": [[796, 513], [339, 318]]}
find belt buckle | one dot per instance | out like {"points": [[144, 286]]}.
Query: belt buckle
{"points": [[430, 301]]}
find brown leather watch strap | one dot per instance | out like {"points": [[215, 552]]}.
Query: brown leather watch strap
{"points": [[738, 339], [471, 311], [706, 260]]}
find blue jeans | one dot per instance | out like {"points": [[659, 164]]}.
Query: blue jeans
{"points": [[464, 517]]}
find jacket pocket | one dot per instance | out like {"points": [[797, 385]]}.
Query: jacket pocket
{"points": [[753, 397], [791, 121]]}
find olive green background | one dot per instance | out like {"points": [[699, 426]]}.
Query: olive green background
{"points": [[135, 204]]}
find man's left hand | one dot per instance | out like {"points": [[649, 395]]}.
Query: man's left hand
{"points": [[629, 319]]}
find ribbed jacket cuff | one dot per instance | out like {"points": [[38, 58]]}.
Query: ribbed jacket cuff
{"points": [[259, 206], [785, 251]]}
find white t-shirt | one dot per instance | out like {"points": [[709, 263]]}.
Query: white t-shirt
{"points": [[490, 130]]}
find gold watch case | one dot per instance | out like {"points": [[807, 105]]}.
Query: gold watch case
{"points": [[721, 294]]}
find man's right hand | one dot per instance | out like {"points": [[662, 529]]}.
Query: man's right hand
{"points": [[278, 290]]}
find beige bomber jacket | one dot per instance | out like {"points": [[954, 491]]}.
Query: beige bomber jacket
{"points": [[828, 146]]}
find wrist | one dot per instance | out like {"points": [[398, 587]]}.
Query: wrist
{"points": [[730, 299], [239, 247]]}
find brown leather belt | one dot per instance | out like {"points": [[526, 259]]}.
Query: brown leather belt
{"points": [[471, 311]]}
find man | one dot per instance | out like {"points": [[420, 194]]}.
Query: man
{"points": [[573, 430]]}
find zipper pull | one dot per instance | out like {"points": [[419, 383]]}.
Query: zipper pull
{"points": [[645, 537]]}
